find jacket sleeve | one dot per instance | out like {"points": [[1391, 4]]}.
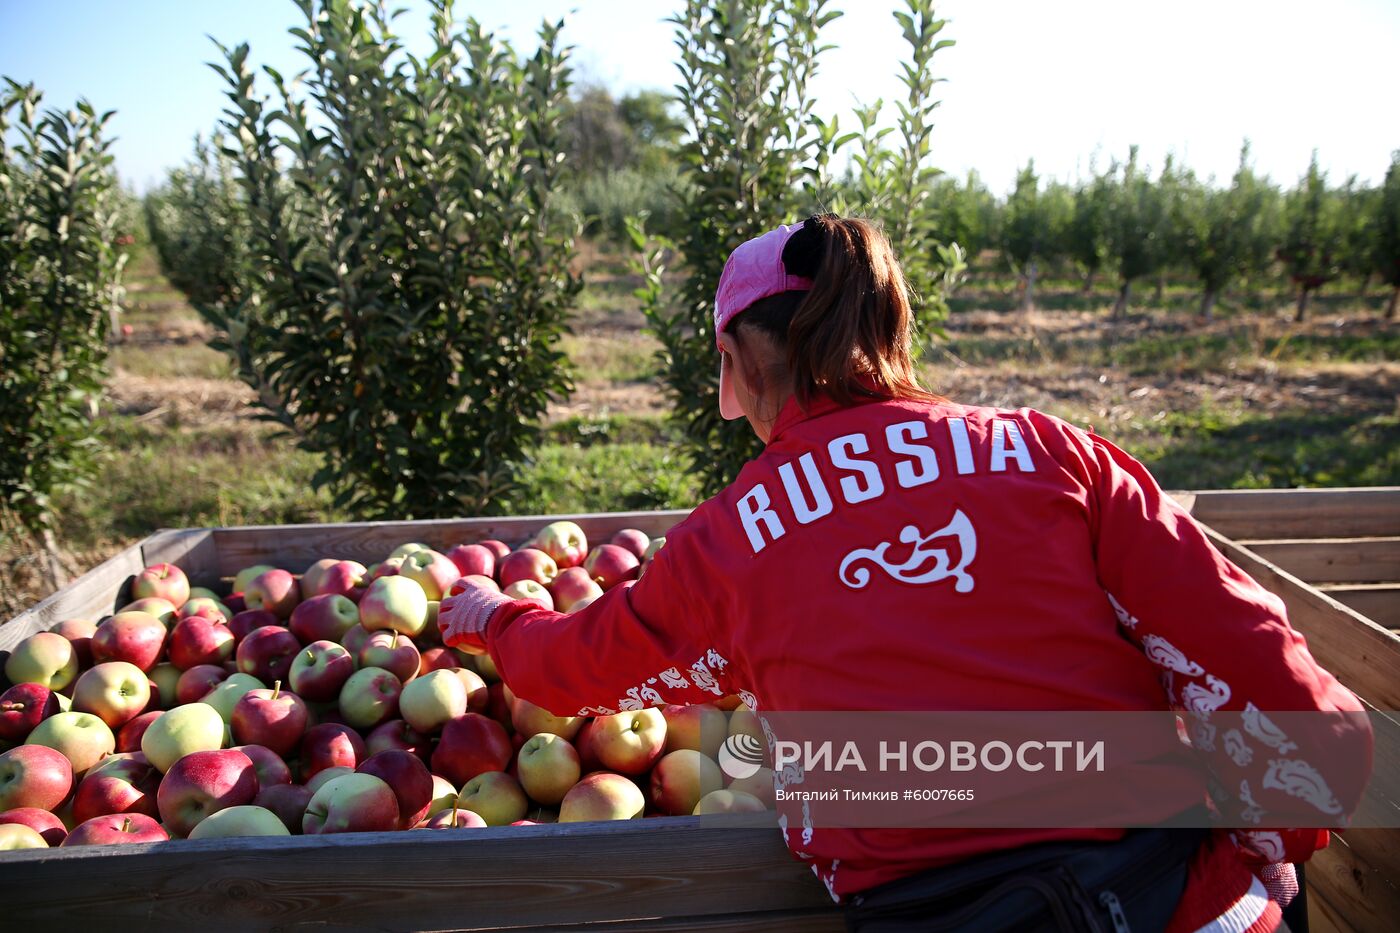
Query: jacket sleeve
{"points": [[651, 642], [1221, 642]]}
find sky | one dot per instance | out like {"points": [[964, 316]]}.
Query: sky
{"points": [[1069, 84]]}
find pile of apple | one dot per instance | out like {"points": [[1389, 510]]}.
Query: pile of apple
{"points": [[326, 703]]}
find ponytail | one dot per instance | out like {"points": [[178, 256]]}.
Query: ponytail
{"points": [[849, 336]]}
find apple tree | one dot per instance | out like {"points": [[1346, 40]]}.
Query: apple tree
{"points": [[410, 268], [1314, 235], [1227, 233], [1137, 229], [1033, 226], [1085, 237], [1385, 252], [60, 279]]}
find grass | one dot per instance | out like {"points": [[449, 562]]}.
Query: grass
{"points": [[172, 361]]}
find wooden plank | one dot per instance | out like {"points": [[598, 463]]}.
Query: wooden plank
{"points": [[191, 549], [1367, 512], [532, 876], [1357, 895], [95, 594], [1379, 602], [1361, 654], [296, 547], [784, 921], [1334, 560]]}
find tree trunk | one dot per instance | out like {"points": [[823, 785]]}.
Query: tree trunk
{"points": [[1303, 296], [1028, 294], [1089, 281], [1120, 307], [1208, 304], [1161, 289], [1394, 302]]}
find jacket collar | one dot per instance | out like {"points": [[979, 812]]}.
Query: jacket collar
{"points": [[821, 404]]}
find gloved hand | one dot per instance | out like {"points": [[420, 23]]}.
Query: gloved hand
{"points": [[466, 610], [1280, 879]]}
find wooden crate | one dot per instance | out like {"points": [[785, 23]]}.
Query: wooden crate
{"points": [[665, 874]]}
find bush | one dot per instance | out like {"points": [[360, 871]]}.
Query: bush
{"points": [[60, 281], [410, 274]]}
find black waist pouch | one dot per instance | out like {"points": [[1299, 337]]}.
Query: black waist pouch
{"points": [[1102, 887]]}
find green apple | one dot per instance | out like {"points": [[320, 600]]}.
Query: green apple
{"points": [[82, 738], [494, 796], [444, 794], [403, 550], [728, 801], [246, 820], [548, 767], [225, 696], [429, 701], [165, 677], [394, 603], [18, 836], [194, 727], [44, 658]]}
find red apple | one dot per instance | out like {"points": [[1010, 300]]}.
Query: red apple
{"points": [[437, 659], [24, 706], [572, 586], [79, 634], [288, 801], [453, 818], [267, 653], [681, 778], [134, 637], [34, 776], [469, 745], [116, 829], [354, 639], [496, 706], [702, 727], [202, 783], [205, 607], [629, 742], [346, 578], [195, 683], [268, 765], [370, 697], [247, 620], [564, 542], [527, 564], [330, 745], [115, 692], [247, 575], [631, 539], [200, 640], [129, 738], [407, 777], [610, 565], [323, 618], [311, 577], [43, 822], [274, 590], [432, 571], [473, 559], [162, 581], [602, 796], [320, 669], [393, 652], [271, 718], [485, 583], [397, 734], [355, 803], [126, 785], [498, 548]]}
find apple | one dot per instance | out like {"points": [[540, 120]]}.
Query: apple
{"points": [[408, 778], [195, 683], [656, 545], [681, 778], [728, 801], [453, 817], [355, 803], [742, 721], [564, 542], [116, 829], [403, 550], [527, 564], [354, 639], [320, 669], [248, 620], [81, 737], [702, 727], [246, 820], [114, 691], [393, 652], [494, 796], [202, 783], [131, 734], [385, 568], [602, 796], [205, 607], [135, 637], [629, 742], [247, 575], [478, 695], [369, 697], [395, 604], [162, 609], [729, 703], [530, 591], [274, 590], [469, 745], [473, 559], [330, 745], [437, 659], [194, 727], [610, 565], [323, 618], [547, 766], [398, 734], [34, 776], [572, 586], [44, 658], [444, 794], [530, 719], [346, 578], [430, 570], [126, 785], [79, 635], [310, 582], [323, 777], [226, 694], [166, 677], [431, 700], [287, 801], [487, 668], [486, 583], [46, 824], [269, 766], [24, 706], [267, 653], [630, 539], [162, 581], [759, 784], [498, 548], [200, 640], [14, 836], [269, 718]]}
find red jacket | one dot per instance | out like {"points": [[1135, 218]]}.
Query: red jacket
{"points": [[1077, 585]]}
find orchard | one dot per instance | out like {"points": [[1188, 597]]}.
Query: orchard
{"points": [[325, 702]]}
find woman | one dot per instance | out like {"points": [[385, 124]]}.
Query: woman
{"points": [[1075, 585]]}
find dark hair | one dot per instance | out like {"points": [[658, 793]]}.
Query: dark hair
{"points": [[849, 336]]}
